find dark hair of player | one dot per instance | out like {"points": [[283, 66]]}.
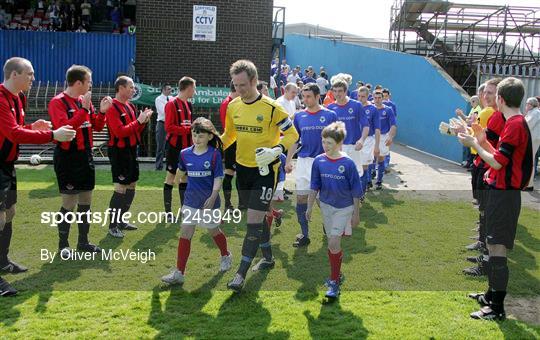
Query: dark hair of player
{"points": [[203, 125], [261, 84], [512, 91], [76, 73], [313, 88]]}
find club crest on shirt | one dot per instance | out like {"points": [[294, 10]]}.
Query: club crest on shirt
{"points": [[341, 169], [384, 113], [322, 119], [138, 92], [206, 164], [351, 110], [260, 118]]}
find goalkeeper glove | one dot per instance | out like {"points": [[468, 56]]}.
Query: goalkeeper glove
{"points": [[265, 156]]}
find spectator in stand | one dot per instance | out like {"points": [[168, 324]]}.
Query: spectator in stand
{"points": [[41, 6], [116, 18], [54, 14], [86, 9]]}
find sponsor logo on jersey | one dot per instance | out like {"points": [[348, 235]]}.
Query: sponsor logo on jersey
{"points": [[249, 129]]}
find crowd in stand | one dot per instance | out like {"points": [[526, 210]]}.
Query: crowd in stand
{"points": [[67, 15]]}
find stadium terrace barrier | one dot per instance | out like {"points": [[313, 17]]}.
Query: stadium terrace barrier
{"points": [[52, 53], [424, 94]]}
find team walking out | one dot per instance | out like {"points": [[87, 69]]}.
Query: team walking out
{"points": [[341, 139]]}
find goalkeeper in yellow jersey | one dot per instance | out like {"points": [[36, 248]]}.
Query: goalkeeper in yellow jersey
{"points": [[255, 122]]}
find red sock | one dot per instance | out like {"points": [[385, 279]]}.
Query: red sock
{"points": [[184, 247], [221, 241], [269, 219], [335, 264]]}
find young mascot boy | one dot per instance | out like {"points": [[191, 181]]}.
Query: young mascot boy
{"points": [[335, 178]]}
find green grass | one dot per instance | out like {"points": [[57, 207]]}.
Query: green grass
{"points": [[402, 265]]}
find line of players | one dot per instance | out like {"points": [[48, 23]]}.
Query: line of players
{"points": [[502, 168], [74, 117]]}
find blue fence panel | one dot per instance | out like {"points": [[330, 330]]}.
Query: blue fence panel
{"points": [[52, 53], [423, 96]]}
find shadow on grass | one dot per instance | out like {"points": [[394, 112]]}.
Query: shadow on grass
{"points": [[513, 329], [48, 192], [240, 315], [43, 284], [334, 320], [522, 263]]}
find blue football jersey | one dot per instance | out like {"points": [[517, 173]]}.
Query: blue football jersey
{"points": [[201, 171], [354, 117], [309, 126], [337, 180], [388, 119], [392, 105], [372, 116]]}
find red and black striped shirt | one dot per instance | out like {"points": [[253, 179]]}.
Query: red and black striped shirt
{"points": [[12, 129], [65, 110], [494, 129], [178, 123], [514, 153], [124, 128]]}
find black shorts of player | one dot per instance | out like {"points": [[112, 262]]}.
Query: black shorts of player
{"points": [[474, 180], [230, 157], [8, 185], [502, 214], [173, 153], [124, 164], [256, 189], [75, 170], [481, 188]]}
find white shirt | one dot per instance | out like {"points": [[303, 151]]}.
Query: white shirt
{"points": [[321, 83], [161, 100], [293, 78], [288, 105]]}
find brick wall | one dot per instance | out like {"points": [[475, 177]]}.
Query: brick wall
{"points": [[166, 52]]}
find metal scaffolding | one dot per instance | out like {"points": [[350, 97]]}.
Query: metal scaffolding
{"points": [[460, 37]]}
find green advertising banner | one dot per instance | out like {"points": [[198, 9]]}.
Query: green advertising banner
{"points": [[205, 96]]}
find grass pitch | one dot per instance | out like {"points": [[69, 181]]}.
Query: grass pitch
{"points": [[402, 266]]}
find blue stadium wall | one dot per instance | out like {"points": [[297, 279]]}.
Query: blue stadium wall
{"points": [[52, 53], [423, 96]]}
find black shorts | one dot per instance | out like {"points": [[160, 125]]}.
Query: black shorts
{"points": [[173, 153], [75, 170], [256, 189], [230, 157], [502, 214], [481, 188], [124, 164], [474, 180], [8, 185]]}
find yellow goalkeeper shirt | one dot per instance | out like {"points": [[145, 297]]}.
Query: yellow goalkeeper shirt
{"points": [[482, 119], [255, 125]]}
